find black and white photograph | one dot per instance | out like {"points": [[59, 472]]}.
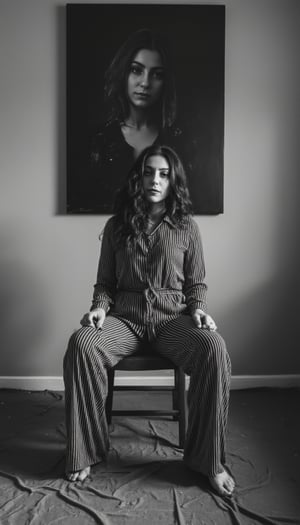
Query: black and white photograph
{"points": [[157, 78], [149, 262]]}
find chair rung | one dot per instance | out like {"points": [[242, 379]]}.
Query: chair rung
{"points": [[143, 387], [145, 412]]}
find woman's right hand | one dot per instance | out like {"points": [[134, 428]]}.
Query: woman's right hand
{"points": [[94, 318]]}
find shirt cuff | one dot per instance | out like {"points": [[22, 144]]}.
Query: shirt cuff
{"points": [[198, 305], [100, 304]]}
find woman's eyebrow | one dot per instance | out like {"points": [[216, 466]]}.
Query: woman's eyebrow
{"points": [[143, 65], [159, 169]]}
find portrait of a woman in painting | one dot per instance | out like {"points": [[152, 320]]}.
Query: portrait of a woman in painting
{"points": [[157, 80], [140, 105]]}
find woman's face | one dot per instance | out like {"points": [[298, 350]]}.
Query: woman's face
{"points": [[156, 179], [145, 79]]}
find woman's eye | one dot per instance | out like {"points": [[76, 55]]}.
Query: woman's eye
{"points": [[162, 174], [136, 70], [159, 75]]}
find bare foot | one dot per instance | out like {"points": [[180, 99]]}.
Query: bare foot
{"points": [[78, 475], [223, 483]]}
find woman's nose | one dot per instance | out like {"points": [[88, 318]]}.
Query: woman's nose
{"points": [[145, 79], [155, 177]]}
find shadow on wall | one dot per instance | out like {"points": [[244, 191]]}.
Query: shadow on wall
{"points": [[261, 332], [23, 320]]}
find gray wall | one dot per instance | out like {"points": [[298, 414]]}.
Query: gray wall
{"points": [[48, 260]]}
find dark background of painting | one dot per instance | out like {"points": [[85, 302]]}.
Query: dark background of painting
{"points": [[196, 34]]}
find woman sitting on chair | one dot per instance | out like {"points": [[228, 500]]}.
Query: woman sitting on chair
{"points": [[150, 286]]}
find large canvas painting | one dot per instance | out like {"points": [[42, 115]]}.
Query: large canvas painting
{"points": [[136, 75]]}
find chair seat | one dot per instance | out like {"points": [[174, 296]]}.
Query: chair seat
{"points": [[145, 361]]}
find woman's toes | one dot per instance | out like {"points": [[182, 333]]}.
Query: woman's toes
{"points": [[79, 475], [71, 476], [230, 484], [223, 483], [84, 473]]}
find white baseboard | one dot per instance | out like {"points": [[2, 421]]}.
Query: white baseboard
{"points": [[237, 382], [268, 381]]}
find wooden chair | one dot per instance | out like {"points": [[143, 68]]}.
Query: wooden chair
{"points": [[148, 359]]}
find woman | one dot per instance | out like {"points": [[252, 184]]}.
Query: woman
{"points": [[140, 102], [150, 286]]}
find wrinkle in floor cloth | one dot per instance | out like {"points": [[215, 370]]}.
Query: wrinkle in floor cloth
{"points": [[144, 480]]}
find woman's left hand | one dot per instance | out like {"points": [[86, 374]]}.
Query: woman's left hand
{"points": [[203, 320]]}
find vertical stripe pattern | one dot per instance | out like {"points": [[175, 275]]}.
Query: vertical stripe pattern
{"points": [[90, 352], [149, 291], [201, 354], [154, 280]]}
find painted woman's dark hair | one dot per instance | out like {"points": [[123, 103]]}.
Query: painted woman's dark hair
{"points": [[131, 207], [115, 96]]}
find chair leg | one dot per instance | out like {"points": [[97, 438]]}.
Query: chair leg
{"points": [[110, 392], [175, 393], [181, 407]]}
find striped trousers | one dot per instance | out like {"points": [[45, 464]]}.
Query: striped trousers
{"points": [[201, 354]]}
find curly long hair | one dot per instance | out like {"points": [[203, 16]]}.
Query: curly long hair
{"points": [[131, 207], [115, 87]]}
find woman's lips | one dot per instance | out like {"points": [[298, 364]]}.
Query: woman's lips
{"points": [[142, 95]]}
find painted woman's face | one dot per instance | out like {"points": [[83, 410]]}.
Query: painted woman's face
{"points": [[145, 79], [156, 179]]}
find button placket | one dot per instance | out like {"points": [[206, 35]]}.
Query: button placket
{"points": [[149, 310], [149, 295]]}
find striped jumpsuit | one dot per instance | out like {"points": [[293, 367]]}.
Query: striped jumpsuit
{"points": [[149, 291]]}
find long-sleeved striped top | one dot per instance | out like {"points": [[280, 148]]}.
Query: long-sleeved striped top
{"points": [[154, 280]]}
